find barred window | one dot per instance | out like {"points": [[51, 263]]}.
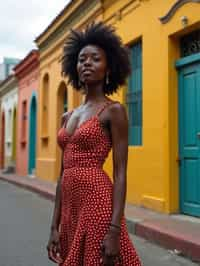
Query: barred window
{"points": [[134, 96], [24, 122]]}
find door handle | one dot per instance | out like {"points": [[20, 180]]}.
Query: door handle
{"points": [[198, 135]]}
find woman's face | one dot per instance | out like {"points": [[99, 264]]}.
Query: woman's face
{"points": [[92, 64]]}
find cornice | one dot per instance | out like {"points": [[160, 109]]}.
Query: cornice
{"points": [[71, 20], [8, 84], [174, 8], [119, 14], [26, 65], [54, 21]]}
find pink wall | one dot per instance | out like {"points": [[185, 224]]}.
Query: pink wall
{"points": [[27, 73]]}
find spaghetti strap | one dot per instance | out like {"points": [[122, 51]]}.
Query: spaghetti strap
{"points": [[104, 106]]}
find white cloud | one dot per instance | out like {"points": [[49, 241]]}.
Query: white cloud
{"points": [[22, 21]]}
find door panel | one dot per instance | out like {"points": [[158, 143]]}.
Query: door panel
{"points": [[32, 136], [189, 141]]}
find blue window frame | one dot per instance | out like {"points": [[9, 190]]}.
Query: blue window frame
{"points": [[134, 96]]}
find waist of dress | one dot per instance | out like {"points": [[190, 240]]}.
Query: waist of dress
{"points": [[83, 167], [67, 165], [80, 163]]}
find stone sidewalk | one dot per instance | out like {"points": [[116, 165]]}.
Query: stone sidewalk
{"points": [[176, 232]]}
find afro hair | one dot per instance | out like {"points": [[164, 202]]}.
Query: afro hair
{"points": [[102, 36]]}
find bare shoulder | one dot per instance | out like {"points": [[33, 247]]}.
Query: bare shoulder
{"points": [[117, 111]]}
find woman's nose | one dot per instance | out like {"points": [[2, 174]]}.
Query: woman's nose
{"points": [[87, 61]]}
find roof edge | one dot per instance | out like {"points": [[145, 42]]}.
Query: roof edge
{"points": [[8, 79], [54, 20], [32, 56]]}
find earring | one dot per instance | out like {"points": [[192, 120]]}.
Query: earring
{"points": [[107, 78]]}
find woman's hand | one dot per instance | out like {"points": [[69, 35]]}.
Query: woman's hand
{"points": [[53, 247], [110, 247]]}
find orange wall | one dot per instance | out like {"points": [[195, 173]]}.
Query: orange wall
{"points": [[26, 86]]}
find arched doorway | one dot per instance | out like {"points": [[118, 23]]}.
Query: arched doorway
{"points": [[62, 102], [62, 106], [14, 136], [45, 106], [65, 101], [2, 139], [32, 135]]}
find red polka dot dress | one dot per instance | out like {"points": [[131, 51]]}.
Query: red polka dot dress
{"points": [[86, 196]]}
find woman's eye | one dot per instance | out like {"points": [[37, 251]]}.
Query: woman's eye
{"points": [[81, 60], [94, 58]]}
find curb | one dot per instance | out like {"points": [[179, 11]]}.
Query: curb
{"points": [[43, 193], [181, 246]]}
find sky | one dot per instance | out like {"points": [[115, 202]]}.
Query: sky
{"points": [[22, 21]]}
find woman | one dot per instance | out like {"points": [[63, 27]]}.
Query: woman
{"points": [[88, 226]]}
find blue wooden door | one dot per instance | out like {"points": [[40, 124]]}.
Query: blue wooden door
{"points": [[189, 138], [32, 135]]}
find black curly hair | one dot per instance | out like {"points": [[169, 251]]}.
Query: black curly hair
{"points": [[104, 37]]}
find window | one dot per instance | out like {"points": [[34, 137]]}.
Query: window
{"points": [[190, 43], [45, 106], [134, 96], [65, 101], [24, 122], [9, 124]]}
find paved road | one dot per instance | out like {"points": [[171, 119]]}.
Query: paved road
{"points": [[24, 229]]}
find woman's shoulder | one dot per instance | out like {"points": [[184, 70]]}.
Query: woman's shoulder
{"points": [[117, 110], [116, 106]]}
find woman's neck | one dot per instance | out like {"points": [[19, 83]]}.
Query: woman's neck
{"points": [[94, 93]]}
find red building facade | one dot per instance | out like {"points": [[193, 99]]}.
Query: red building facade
{"points": [[27, 73]]}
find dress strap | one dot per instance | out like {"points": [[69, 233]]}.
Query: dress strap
{"points": [[104, 106]]}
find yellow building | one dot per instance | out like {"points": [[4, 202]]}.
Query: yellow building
{"points": [[161, 96]]}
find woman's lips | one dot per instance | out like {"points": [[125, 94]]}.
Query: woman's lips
{"points": [[87, 71], [87, 74]]}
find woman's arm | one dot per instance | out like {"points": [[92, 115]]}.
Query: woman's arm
{"points": [[119, 131]]}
